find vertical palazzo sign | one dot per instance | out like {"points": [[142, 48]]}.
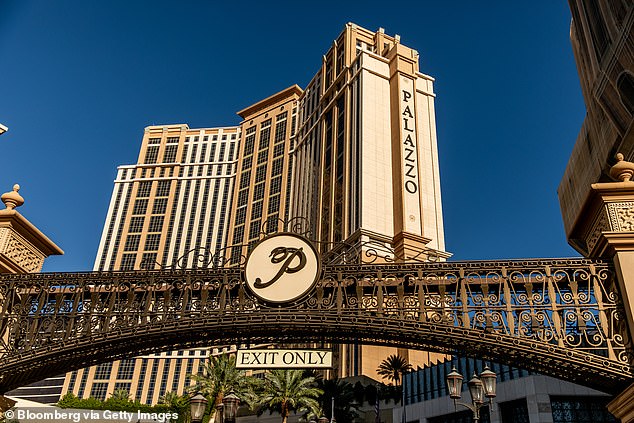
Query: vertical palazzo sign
{"points": [[409, 151], [282, 268]]}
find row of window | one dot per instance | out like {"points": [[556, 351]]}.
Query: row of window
{"points": [[170, 153]]}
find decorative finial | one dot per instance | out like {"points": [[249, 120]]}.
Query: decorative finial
{"points": [[622, 170], [12, 199]]}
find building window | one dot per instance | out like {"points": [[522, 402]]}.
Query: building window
{"points": [[274, 204], [71, 382], [151, 154], [99, 391], [152, 141], [580, 410], [260, 173], [126, 369], [127, 262], [256, 210], [170, 154], [132, 243], [280, 131], [221, 153], [258, 191], [245, 179], [249, 144], [103, 371], [172, 140], [276, 185], [156, 224], [140, 206], [254, 229], [139, 388], [136, 224], [144, 189], [241, 215], [163, 188], [243, 197], [265, 135], [160, 206], [238, 235], [263, 155], [148, 261], [278, 150], [152, 382], [152, 242], [278, 164]]}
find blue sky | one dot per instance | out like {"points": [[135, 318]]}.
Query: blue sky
{"points": [[79, 80]]}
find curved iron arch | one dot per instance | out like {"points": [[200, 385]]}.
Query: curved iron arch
{"points": [[558, 317]]}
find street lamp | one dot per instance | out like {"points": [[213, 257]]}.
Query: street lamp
{"points": [[3, 129], [230, 405], [479, 388], [197, 407]]}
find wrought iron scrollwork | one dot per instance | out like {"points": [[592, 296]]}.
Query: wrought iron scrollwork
{"points": [[561, 317]]}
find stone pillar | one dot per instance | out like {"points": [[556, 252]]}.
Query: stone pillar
{"points": [[605, 229], [23, 247]]}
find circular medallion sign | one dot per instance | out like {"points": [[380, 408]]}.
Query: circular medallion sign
{"points": [[282, 268]]}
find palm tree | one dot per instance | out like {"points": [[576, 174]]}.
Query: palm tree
{"points": [[219, 377], [346, 405], [393, 367], [173, 400], [120, 395], [289, 391]]}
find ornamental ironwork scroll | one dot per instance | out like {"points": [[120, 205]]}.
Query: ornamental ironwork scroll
{"points": [[559, 317]]}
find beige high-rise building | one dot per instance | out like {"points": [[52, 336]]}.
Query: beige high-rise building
{"points": [[365, 162], [263, 178], [174, 201], [365, 154], [170, 209], [354, 153]]}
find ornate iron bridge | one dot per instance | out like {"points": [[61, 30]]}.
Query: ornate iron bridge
{"points": [[558, 317]]}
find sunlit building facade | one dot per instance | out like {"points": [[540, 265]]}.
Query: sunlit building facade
{"points": [[354, 154]]}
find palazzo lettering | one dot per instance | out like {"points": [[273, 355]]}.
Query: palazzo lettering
{"points": [[409, 146]]}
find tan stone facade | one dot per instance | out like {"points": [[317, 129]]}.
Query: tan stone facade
{"points": [[598, 213], [365, 154], [601, 35]]}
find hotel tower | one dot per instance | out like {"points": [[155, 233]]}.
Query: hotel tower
{"points": [[354, 154]]}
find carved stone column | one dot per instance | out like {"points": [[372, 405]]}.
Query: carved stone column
{"points": [[605, 229]]}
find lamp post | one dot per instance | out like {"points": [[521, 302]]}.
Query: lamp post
{"points": [[230, 405], [479, 388], [3, 129], [197, 407]]}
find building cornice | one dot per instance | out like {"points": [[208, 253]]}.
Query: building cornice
{"points": [[293, 90]]}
